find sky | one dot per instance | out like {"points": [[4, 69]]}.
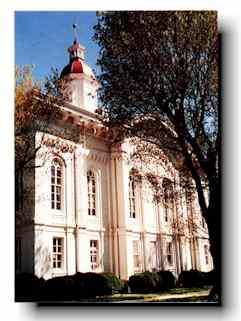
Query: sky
{"points": [[43, 37]]}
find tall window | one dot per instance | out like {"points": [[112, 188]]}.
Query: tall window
{"points": [[94, 254], [136, 255], [170, 253], [168, 200], [91, 182], [132, 197], [56, 185], [206, 253], [18, 253], [58, 252]]}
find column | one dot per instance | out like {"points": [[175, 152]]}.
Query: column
{"points": [[70, 213], [81, 207], [120, 197]]}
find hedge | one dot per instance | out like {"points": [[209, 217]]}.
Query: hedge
{"points": [[167, 280], [113, 283], [28, 287], [194, 278], [59, 289], [144, 282], [147, 282], [82, 286]]}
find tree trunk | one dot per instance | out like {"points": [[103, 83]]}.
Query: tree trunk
{"points": [[214, 228]]}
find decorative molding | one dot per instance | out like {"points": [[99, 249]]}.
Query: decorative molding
{"points": [[59, 145], [98, 156]]}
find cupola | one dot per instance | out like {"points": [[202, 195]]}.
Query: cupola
{"points": [[81, 84]]}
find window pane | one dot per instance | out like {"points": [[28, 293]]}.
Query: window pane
{"points": [[91, 192], [56, 184], [57, 253], [52, 170]]}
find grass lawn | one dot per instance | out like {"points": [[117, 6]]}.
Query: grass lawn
{"points": [[173, 295]]}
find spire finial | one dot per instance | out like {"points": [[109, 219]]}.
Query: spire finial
{"points": [[76, 50], [75, 31]]}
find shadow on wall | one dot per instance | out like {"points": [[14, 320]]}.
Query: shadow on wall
{"points": [[42, 260]]}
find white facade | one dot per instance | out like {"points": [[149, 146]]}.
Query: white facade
{"points": [[82, 213]]}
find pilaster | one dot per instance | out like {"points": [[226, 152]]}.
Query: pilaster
{"points": [[119, 188]]}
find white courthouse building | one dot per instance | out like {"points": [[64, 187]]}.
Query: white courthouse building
{"points": [[84, 208]]}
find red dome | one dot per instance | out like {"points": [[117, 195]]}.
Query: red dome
{"points": [[76, 66]]}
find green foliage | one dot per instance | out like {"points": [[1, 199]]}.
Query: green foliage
{"points": [[159, 82], [113, 282], [92, 285], [79, 286], [35, 110], [192, 278], [168, 280], [147, 282], [209, 277], [158, 62], [58, 289], [28, 287], [144, 282]]}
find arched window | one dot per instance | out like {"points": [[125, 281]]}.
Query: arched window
{"points": [[132, 197], [57, 184], [167, 199], [91, 182]]}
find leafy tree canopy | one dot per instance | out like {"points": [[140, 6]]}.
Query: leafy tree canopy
{"points": [[159, 81], [35, 109]]}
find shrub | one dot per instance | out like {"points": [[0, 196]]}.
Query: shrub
{"points": [[144, 282], [59, 289], [28, 287], [93, 284], [67, 288], [125, 289], [209, 277], [86, 285], [113, 283], [167, 280], [192, 278]]}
